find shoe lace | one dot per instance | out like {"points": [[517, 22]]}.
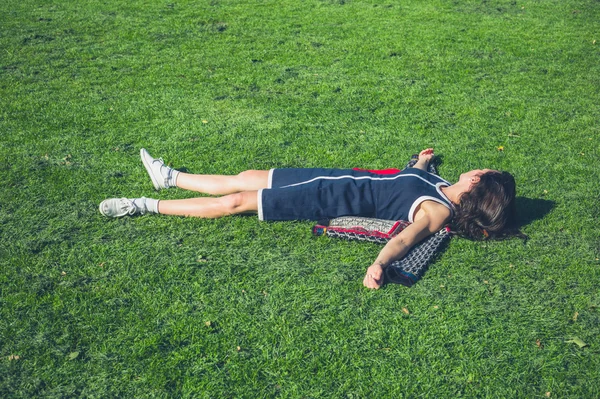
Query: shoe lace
{"points": [[129, 206]]}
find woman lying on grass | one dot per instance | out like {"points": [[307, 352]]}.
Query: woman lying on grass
{"points": [[480, 205]]}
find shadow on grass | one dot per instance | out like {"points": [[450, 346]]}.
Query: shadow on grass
{"points": [[529, 209]]}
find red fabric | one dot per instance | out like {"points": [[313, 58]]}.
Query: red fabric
{"points": [[390, 171]]}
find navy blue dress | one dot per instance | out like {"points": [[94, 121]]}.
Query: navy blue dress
{"points": [[316, 194]]}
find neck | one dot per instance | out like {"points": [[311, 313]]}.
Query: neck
{"points": [[453, 193]]}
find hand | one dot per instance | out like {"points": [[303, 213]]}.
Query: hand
{"points": [[374, 277], [426, 155]]}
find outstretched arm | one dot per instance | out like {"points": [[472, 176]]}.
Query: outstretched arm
{"points": [[433, 220], [425, 157]]}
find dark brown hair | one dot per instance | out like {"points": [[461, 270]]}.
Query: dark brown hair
{"points": [[488, 211]]}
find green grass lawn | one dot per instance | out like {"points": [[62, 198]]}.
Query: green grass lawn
{"points": [[171, 307]]}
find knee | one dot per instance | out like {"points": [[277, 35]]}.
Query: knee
{"points": [[233, 203], [248, 175]]}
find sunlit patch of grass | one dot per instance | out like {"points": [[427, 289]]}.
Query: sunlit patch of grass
{"points": [[170, 307]]}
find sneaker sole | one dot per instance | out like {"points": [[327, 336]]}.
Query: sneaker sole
{"points": [[157, 186], [104, 214], [100, 209], [117, 215]]}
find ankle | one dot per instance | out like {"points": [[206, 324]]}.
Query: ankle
{"points": [[172, 177], [145, 205]]}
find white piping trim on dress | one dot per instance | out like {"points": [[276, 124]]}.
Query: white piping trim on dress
{"points": [[362, 178], [270, 179], [442, 180], [438, 187], [259, 204]]}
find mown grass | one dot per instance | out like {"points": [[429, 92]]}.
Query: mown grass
{"points": [[172, 307]]}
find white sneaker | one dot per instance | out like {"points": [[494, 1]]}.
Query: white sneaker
{"points": [[118, 207], [161, 175]]}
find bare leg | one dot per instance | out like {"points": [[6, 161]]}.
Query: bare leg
{"points": [[250, 180], [210, 207]]}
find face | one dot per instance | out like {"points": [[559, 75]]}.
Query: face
{"points": [[475, 173], [471, 178]]}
